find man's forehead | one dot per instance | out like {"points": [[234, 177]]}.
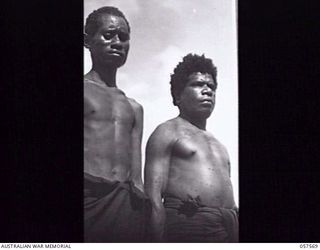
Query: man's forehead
{"points": [[199, 76], [110, 20]]}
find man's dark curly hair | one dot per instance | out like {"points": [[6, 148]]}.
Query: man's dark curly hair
{"points": [[191, 63], [92, 21]]}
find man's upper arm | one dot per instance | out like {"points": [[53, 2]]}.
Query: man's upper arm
{"points": [[136, 137], [158, 153], [228, 158], [88, 106], [138, 123]]}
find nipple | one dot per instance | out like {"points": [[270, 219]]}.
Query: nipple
{"points": [[183, 149]]}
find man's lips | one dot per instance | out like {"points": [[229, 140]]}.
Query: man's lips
{"points": [[207, 101], [116, 52]]}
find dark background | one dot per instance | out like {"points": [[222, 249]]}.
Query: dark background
{"points": [[279, 116], [42, 160]]}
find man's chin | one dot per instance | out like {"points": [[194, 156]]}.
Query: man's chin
{"points": [[205, 113], [115, 62]]}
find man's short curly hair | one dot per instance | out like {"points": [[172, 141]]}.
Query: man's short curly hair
{"points": [[191, 63], [92, 21]]}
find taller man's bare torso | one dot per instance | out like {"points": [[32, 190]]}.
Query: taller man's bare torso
{"points": [[109, 118]]}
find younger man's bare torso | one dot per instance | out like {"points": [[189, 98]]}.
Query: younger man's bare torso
{"points": [[199, 166], [109, 118]]}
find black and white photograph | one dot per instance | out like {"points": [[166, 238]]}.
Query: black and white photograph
{"points": [[160, 121], [172, 121]]}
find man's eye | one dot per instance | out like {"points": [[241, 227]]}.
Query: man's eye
{"points": [[198, 84], [108, 35]]}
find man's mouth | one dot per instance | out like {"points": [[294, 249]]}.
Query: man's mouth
{"points": [[207, 101], [116, 53]]}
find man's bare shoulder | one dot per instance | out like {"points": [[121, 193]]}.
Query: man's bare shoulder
{"points": [[165, 132], [137, 107], [86, 81], [87, 97], [138, 112], [89, 85], [216, 142], [167, 126], [214, 139]]}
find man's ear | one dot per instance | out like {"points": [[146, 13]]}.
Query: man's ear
{"points": [[86, 40]]}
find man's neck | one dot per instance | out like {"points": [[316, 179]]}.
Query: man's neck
{"points": [[104, 75], [199, 122]]}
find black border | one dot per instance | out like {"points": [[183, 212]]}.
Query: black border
{"points": [[44, 69], [279, 144]]}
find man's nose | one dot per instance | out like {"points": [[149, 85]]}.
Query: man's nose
{"points": [[207, 91], [116, 43]]}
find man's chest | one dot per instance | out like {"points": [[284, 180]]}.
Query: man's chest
{"points": [[110, 106], [197, 147]]}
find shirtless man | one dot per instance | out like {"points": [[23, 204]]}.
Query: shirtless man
{"points": [[113, 191], [187, 173]]}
